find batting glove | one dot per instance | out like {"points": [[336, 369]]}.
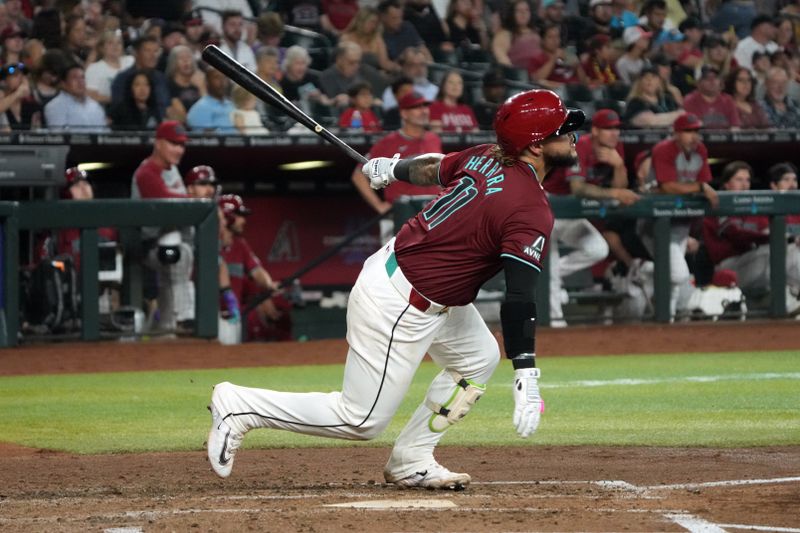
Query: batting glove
{"points": [[379, 171], [528, 404]]}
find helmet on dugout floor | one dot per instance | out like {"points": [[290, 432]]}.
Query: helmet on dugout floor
{"points": [[532, 116], [232, 205]]}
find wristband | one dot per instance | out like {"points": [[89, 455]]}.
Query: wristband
{"points": [[400, 171], [524, 360]]}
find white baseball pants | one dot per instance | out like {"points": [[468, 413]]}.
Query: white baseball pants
{"points": [[388, 339], [588, 247], [176, 295], [752, 267]]}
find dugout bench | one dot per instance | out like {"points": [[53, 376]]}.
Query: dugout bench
{"points": [[127, 215]]}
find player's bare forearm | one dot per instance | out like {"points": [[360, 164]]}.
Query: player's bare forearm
{"points": [[424, 169]]}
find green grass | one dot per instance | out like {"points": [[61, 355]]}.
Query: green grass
{"points": [[756, 403]]}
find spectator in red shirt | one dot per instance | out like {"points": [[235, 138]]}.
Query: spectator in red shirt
{"points": [[553, 67], [337, 14], [449, 113], [359, 115], [716, 109], [679, 166]]}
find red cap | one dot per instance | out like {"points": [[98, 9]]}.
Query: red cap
{"points": [[606, 118], [171, 130], [725, 278], [12, 30], [687, 122], [412, 100]]}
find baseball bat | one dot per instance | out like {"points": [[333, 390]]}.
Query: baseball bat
{"points": [[265, 92]]}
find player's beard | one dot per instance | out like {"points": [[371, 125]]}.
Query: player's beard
{"points": [[560, 160]]}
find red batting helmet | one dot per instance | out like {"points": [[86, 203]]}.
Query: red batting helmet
{"points": [[532, 116], [201, 174], [72, 176], [232, 205]]}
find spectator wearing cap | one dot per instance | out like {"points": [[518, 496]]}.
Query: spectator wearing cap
{"points": [[599, 69], [194, 29], [741, 243], [716, 109], [138, 110], [398, 33], [631, 63], [412, 139], [414, 65], [232, 43], [679, 166], [494, 94], [111, 62], [691, 58], [649, 105], [448, 112], [670, 44], [518, 38], [73, 108], [212, 112], [173, 34], [18, 109], [599, 23], [13, 39], [553, 67], [600, 173], [716, 53], [77, 44], [783, 111], [168, 252], [186, 82], [740, 85], [761, 39], [145, 54]]}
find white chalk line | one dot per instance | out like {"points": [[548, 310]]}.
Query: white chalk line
{"points": [[762, 528], [658, 381], [725, 483], [693, 524]]}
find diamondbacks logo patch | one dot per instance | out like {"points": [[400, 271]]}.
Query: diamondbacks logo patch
{"points": [[535, 250]]}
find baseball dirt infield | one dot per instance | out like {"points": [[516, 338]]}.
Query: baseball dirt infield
{"points": [[531, 488]]}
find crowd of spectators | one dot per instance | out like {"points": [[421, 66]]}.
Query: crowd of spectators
{"points": [[103, 66]]}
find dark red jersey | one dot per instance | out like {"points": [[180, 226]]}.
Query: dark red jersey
{"points": [[793, 225], [486, 212], [588, 169], [151, 180], [726, 237], [670, 163], [241, 262], [397, 143]]}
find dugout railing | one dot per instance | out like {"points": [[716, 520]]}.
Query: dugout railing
{"points": [[129, 216], [664, 208]]}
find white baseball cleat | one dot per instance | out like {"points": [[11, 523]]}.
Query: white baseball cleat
{"points": [[223, 442], [434, 477]]}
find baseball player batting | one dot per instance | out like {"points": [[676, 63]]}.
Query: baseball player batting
{"points": [[415, 295]]}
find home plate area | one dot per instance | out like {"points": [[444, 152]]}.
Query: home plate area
{"points": [[534, 488]]}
